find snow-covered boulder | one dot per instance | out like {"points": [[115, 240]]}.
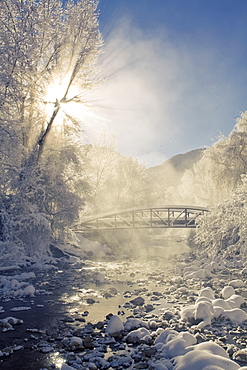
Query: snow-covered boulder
{"points": [[165, 336], [140, 335], [238, 283], [29, 291], [236, 314], [207, 293], [132, 324], [235, 301], [211, 347], [187, 313], [221, 303], [227, 292], [171, 343], [204, 311], [115, 325], [202, 359]]}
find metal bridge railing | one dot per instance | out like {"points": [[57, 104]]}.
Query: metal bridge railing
{"points": [[149, 217]]}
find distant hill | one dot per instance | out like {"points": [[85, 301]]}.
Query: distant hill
{"points": [[180, 162], [171, 171]]}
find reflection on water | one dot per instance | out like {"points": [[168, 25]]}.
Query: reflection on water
{"points": [[121, 282], [56, 360]]}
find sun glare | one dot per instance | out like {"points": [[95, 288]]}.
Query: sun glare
{"points": [[71, 105]]}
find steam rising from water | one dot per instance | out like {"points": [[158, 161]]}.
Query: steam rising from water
{"points": [[159, 96]]}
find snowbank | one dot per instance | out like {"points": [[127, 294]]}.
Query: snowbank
{"points": [[185, 354], [18, 285], [206, 307]]}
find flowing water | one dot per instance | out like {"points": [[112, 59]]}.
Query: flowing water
{"points": [[85, 292]]}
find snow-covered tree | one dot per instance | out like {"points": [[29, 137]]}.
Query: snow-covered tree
{"points": [[48, 52], [226, 160], [216, 175], [128, 183], [223, 230], [116, 181]]}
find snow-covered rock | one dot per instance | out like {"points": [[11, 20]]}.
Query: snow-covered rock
{"points": [[206, 307], [238, 283], [165, 336], [227, 292], [211, 347], [203, 360], [235, 301], [207, 293], [204, 311], [115, 325], [221, 303], [236, 314], [138, 336], [132, 324], [29, 291]]}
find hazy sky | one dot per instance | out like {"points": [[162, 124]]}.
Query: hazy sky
{"points": [[176, 73]]}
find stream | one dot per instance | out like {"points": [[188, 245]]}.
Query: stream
{"points": [[73, 296]]}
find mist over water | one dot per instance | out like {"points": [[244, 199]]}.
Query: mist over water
{"points": [[143, 244]]}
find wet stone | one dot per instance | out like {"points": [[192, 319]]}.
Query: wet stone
{"points": [[149, 307], [88, 329], [158, 294], [107, 295], [99, 325], [109, 316], [138, 301], [92, 366], [123, 360], [90, 301], [80, 319], [148, 352], [168, 315], [67, 319], [88, 342], [141, 365]]}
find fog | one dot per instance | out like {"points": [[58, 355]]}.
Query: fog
{"points": [[162, 97]]}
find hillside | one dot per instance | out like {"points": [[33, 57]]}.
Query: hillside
{"points": [[169, 173], [179, 163]]}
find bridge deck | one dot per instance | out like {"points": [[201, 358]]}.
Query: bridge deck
{"points": [[148, 217]]}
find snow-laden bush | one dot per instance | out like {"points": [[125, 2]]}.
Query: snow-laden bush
{"points": [[224, 229]]}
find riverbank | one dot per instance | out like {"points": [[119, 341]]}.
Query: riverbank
{"points": [[68, 320]]}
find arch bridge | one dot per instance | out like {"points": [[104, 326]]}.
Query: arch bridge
{"points": [[143, 217]]}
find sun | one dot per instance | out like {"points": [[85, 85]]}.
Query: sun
{"points": [[70, 103], [54, 92]]}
